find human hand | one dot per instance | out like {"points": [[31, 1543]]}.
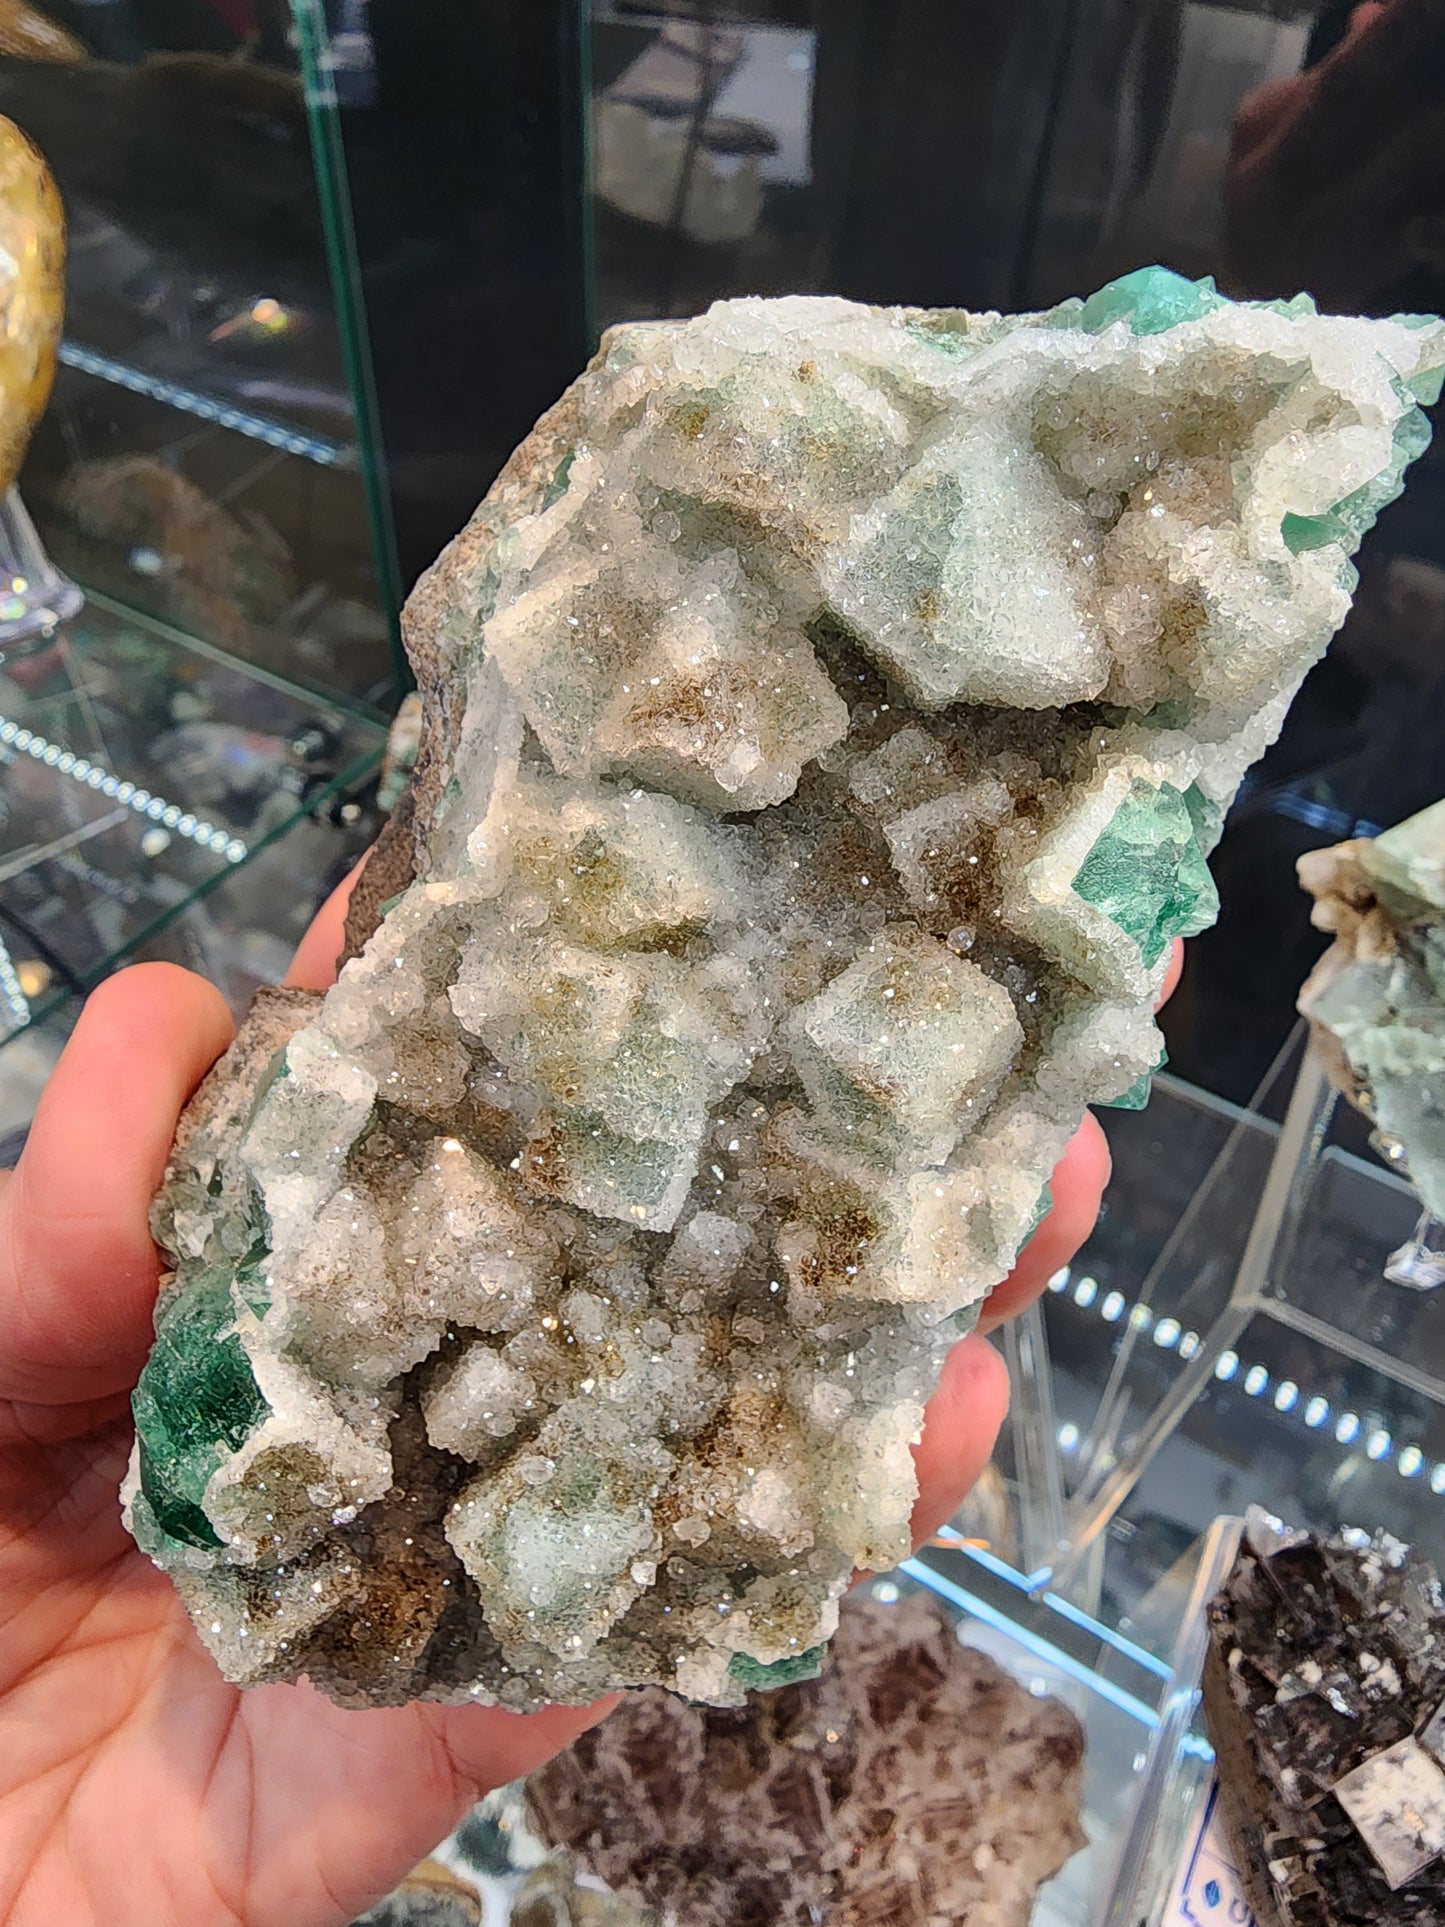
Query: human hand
{"points": [[138, 1788], [1335, 180]]}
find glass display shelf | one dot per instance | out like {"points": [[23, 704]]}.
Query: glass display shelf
{"points": [[1275, 1293], [209, 454], [261, 552], [141, 771], [27, 1057]]}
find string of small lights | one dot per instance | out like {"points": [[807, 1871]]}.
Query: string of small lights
{"points": [[170, 816], [1313, 1410]]}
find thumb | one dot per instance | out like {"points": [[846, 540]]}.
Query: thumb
{"points": [[78, 1269]]}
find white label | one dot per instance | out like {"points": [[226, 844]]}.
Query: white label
{"points": [[1207, 1891]]}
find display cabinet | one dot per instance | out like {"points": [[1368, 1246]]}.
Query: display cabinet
{"points": [[326, 264], [328, 261]]}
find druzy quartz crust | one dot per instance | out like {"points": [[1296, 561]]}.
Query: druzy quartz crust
{"points": [[1376, 999], [827, 716]]}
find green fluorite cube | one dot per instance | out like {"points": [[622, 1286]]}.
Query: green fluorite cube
{"points": [[756, 1677], [197, 1399], [1147, 872], [1151, 300]]}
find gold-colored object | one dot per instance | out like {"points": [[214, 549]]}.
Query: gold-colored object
{"points": [[34, 976], [28, 35], [32, 292]]}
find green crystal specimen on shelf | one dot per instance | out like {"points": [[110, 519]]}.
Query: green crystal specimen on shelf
{"points": [[1407, 866], [1147, 872], [1376, 999], [826, 719]]}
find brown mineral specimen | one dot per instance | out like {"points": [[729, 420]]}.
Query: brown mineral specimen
{"points": [[32, 292], [912, 1782], [1325, 1672]]}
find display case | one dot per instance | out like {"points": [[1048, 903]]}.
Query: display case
{"points": [[328, 261], [205, 474], [326, 265]]}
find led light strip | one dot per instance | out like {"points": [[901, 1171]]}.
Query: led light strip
{"points": [[1254, 1380], [11, 995], [291, 441], [156, 809]]}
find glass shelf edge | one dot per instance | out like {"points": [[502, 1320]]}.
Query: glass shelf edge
{"points": [[355, 773], [224, 658], [319, 449]]}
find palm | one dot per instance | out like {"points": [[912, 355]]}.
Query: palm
{"points": [[121, 1747], [122, 1744]]}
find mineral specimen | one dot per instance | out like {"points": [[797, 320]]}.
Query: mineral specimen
{"points": [[1376, 999], [827, 714], [28, 35], [553, 1897], [1322, 1687], [430, 1896], [32, 290], [913, 1782]]}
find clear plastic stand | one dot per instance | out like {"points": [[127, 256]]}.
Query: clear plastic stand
{"points": [[1179, 1761], [1419, 1264], [1038, 1475], [1298, 1276], [35, 598]]}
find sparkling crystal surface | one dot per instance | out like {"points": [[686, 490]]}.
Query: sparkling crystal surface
{"points": [[826, 717]]}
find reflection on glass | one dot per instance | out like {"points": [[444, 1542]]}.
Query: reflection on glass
{"points": [[702, 161], [199, 458], [144, 775]]}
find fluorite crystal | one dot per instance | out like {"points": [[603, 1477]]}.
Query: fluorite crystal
{"points": [[827, 715], [914, 1782], [1376, 999]]}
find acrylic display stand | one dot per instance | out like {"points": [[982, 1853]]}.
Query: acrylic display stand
{"points": [[1297, 1284], [35, 598]]}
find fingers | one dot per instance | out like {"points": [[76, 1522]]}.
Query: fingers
{"points": [[489, 1747], [959, 1431], [77, 1266], [314, 965], [1078, 1188]]}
